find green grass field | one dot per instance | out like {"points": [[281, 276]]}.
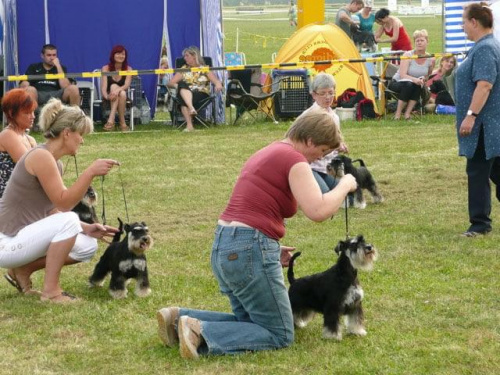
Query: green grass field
{"points": [[431, 303]]}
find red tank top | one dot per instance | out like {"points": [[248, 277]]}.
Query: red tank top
{"points": [[403, 43], [262, 197]]}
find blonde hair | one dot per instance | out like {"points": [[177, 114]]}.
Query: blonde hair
{"points": [[447, 58], [195, 52], [421, 34], [315, 125], [55, 117]]}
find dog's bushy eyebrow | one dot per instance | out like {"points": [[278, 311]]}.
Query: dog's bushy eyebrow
{"points": [[140, 228]]}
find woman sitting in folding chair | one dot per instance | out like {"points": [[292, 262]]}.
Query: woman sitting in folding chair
{"points": [[409, 80], [114, 88], [193, 87]]}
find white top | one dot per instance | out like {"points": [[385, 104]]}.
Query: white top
{"points": [[414, 69], [320, 165], [495, 9]]}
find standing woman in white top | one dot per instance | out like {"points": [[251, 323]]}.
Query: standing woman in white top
{"points": [[412, 75]]}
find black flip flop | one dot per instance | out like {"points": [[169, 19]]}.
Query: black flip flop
{"points": [[13, 282]]}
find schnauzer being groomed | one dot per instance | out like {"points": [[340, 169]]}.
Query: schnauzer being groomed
{"points": [[342, 165], [364, 40], [335, 292], [125, 260]]}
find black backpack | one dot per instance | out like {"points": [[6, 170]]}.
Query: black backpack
{"points": [[345, 98], [365, 109]]}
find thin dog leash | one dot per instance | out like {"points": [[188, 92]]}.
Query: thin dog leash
{"points": [[103, 215], [346, 204], [346, 201], [123, 194]]}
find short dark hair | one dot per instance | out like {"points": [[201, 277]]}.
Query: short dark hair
{"points": [[382, 13], [48, 46]]}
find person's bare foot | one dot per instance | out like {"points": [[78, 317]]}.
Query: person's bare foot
{"points": [[21, 280], [61, 297]]}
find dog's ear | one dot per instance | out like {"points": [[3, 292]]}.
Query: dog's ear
{"points": [[360, 238], [127, 228], [341, 245], [144, 224]]}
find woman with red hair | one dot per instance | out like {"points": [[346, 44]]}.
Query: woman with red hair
{"points": [[114, 88], [19, 109]]}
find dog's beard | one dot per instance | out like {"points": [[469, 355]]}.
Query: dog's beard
{"points": [[89, 202], [139, 245], [336, 171], [363, 259]]}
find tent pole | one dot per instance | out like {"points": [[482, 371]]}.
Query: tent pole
{"points": [[237, 38]]}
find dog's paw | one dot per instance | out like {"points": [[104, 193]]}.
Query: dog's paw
{"points": [[96, 283], [118, 294], [327, 334], [378, 199], [358, 331], [300, 323], [144, 292], [360, 205]]}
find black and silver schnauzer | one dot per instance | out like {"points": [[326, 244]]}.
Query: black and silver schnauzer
{"points": [[125, 260], [335, 292], [364, 40], [86, 207], [342, 165]]}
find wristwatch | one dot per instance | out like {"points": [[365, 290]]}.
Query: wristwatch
{"points": [[470, 113]]}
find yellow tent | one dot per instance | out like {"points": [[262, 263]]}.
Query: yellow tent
{"points": [[328, 42]]}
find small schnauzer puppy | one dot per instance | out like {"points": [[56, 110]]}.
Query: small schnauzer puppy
{"points": [[335, 292], [364, 40], [342, 165], [125, 260], [86, 207]]}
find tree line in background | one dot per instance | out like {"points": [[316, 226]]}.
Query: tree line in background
{"points": [[235, 3]]}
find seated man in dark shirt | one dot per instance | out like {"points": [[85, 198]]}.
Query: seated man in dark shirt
{"points": [[43, 90]]}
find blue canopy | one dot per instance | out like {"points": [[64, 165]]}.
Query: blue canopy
{"points": [[85, 32]]}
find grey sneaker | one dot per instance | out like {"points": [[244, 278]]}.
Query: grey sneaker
{"points": [[189, 337], [167, 317]]}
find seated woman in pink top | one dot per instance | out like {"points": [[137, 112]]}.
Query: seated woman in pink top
{"points": [[246, 256]]}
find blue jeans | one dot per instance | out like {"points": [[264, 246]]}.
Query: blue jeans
{"points": [[325, 181], [247, 266]]}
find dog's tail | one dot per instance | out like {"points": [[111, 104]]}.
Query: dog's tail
{"points": [[116, 237], [291, 276], [360, 161]]}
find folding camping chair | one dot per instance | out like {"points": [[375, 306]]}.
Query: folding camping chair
{"points": [[388, 96], [205, 109], [247, 94], [105, 105]]}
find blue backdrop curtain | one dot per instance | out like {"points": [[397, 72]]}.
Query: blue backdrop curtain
{"points": [[211, 20], [85, 31], [183, 24]]}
